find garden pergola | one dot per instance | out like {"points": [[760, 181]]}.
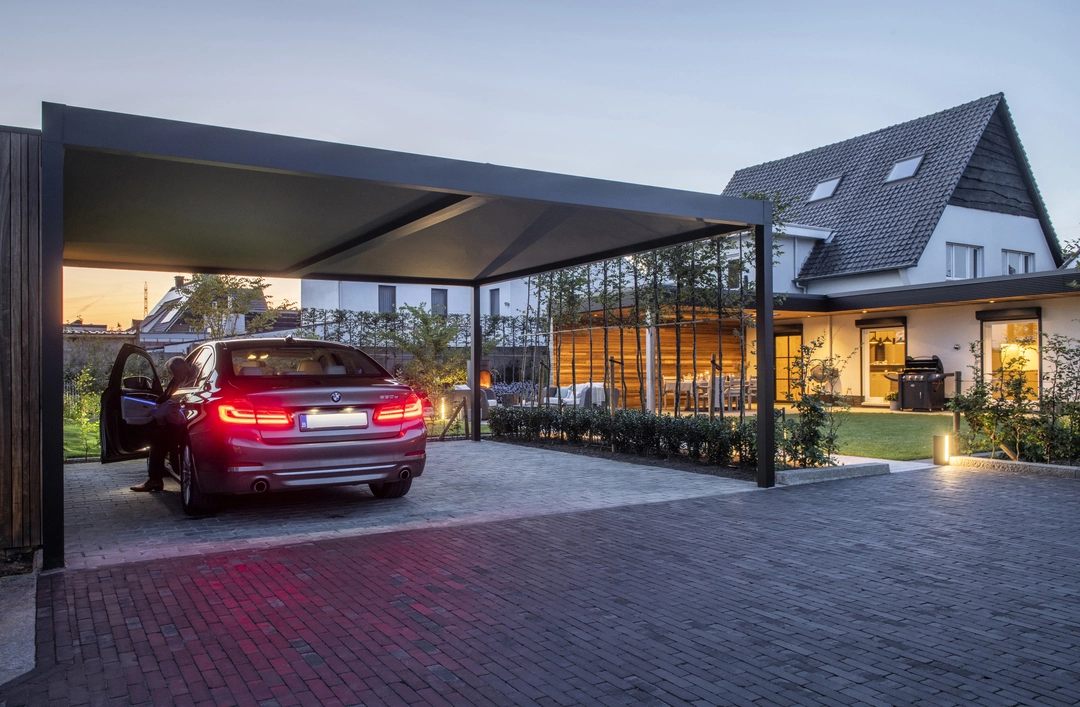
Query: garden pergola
{"points": [[124, 191]]}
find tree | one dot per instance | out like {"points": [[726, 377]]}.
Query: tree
{"points": [[217, 304], [436, 364]]}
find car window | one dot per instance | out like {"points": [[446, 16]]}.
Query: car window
{"points": [[206, 368], [196, 361], [296, 360]]}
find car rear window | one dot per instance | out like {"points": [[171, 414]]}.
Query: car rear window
{"points": [[298, 360]]}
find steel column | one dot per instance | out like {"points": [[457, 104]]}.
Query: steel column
{"points": [[766, 350], [477, 350], [52, 338]]}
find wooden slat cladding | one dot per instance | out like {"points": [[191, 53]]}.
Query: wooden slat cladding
{"points": [[571, 354], [993, 180], [20, 337]]}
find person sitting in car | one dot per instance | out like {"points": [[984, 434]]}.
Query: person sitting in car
{"points": [[166, 427]]}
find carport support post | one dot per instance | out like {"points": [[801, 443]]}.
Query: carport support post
{"points": [[51, 368], [477, 341], [766, 350]]}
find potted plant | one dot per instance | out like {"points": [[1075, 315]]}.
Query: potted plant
{"points": [[893, 400]]}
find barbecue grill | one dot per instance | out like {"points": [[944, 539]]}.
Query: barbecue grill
{"points": [[922, 383]]}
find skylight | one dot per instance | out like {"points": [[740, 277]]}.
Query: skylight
{"points": [[904, 169], [825, 189]]}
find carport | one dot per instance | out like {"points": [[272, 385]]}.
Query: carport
{"points": [[124, 191]]}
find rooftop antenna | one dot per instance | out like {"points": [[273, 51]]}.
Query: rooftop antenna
{"points": [[145, 299]]}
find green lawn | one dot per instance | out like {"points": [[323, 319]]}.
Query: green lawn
{"points": [[892, 436], [73, 441]]}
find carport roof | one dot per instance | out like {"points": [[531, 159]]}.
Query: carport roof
{"points": [[158, 194]]}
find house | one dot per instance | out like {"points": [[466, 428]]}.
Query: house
{"points": [[510, 298], [918, 240], [165, 327]]}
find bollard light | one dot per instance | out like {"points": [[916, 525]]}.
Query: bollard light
{"points": [[942, 450]]}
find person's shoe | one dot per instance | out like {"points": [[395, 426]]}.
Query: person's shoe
{"points": [[150, 485]]}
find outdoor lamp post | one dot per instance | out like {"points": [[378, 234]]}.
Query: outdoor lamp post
{"points": [[942, 449]]}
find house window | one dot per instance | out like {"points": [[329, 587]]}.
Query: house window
{"points": [[387, 299], [788, 348], [438, 301], [904, 169], [1011, 356], [494, 309], [1014, 262], [825, 189], [963, 262]]}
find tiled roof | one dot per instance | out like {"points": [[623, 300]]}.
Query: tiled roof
{"points": [[876, 226]]}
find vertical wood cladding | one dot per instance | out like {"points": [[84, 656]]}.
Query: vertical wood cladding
{"points": [[571, 355], [20, 340], [993, 180]]}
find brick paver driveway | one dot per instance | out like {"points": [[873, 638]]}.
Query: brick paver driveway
{"points": [[463, 483], [931, 587]]}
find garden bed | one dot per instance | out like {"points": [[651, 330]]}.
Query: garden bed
{"points": [[677, 463]]}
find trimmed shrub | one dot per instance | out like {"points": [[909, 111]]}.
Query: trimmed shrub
{"points": [[721, 442]]}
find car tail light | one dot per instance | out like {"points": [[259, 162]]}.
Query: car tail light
{"points": [[242, 413], [411, 409]]}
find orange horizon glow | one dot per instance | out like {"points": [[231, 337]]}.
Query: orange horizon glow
{"points": [[115, 297]]}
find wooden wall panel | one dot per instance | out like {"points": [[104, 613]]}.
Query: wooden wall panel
{"points": [[20, 337], [571, 354]]}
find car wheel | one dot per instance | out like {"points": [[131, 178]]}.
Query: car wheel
{"points": [[391, 489], [194, 501]]}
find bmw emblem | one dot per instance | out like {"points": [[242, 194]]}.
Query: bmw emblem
{"points": [[335, 396]]}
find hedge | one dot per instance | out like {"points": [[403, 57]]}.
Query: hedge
{"points": [[722, 442]]}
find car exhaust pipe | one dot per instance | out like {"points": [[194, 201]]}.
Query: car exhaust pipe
{"points": [[260, 486], [405, 474]]}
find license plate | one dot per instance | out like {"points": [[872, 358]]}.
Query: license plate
{"points": [[333, 421]]}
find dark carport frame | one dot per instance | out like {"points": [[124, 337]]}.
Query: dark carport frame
{"points": [[462, 185]]}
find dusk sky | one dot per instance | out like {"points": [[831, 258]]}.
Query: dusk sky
{"points": [[671, 94]]}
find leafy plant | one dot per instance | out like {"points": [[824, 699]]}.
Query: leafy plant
{"points": [[83, 407]]}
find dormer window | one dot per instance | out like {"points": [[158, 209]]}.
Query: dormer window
{"points": [[825, 189], [904, 169]]}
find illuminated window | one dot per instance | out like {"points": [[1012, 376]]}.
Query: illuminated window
{"points": [[904, 169], [1011, 356], [825, 189]]}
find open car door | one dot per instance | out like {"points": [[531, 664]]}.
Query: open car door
{"points": [[127, 406]]}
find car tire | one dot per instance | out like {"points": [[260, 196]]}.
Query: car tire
{"points": [[194, 501], [391, 489]]}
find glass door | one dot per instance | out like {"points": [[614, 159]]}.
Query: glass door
{"points": [[787, 350], [883, 352]]}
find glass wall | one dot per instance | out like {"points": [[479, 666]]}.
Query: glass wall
{"points": [[787, 349]]}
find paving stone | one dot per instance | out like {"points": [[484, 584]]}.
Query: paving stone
{"points": [[934, 587]]}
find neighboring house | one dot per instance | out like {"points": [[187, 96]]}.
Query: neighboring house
{"points": [[506, 298], [946, 197], [165, 327], [917, 240]]}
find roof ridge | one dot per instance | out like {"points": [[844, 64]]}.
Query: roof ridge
{"points": [[996, 97]]}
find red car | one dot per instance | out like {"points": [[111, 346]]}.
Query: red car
{"points": [[261, 415]]}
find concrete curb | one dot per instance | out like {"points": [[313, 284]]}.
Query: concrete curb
{"points": [[1060, 472], [794, 477], [18, 614]]}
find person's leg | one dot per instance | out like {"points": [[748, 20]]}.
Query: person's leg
{"points": [[159, 448]]}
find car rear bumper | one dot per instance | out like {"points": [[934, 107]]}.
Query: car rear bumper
{"points": [[251, 466]]}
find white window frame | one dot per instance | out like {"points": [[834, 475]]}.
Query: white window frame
{"points": [[1026, 261], [974, 261], [825, 189]]}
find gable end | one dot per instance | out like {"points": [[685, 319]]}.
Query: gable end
{"points": [[993, 180]]}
